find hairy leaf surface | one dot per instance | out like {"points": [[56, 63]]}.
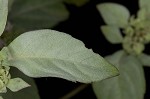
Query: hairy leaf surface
{"points": [[46, 53]]}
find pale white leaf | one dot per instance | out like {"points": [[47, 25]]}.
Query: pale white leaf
{"points": [[45, 53], [112, 34], [17, 84], [114, 14]]}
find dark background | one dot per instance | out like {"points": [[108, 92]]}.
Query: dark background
{"points": [[84, 24]]}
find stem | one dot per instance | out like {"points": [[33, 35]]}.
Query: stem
{"points": [[74, 91]]}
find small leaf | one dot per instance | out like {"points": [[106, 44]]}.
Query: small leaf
{"points": [[1, 97], [130, 84], [114, 14], [145, 59], [3, 90], [17, 84], [112, 34], [27, 93], [142, 14], [144, 3], [51, 53], [3, 14]]}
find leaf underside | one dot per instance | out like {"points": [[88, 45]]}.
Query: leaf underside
{"points": [[51, 53]]}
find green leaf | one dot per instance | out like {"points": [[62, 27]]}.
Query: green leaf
{"points": [[24, 16], [114, 14], [3, 90], [27, 93], [145, 59], [112, 34], [17, 84], [144, 3], [130, 84], [3, 14], [51, 53], [77, 2], [1, 97], [142, 14]]}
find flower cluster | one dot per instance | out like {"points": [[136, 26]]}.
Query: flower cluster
{"points": [[4, 77], [137, 34], [136, 29]]}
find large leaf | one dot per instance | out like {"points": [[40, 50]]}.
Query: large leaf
{"points": [[114, 14], [3, 14], [36, 14], [145, 59], [27, 93], [130, 84], [112, 34], [45, 53]]}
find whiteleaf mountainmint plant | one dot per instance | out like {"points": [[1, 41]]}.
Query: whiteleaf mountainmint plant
{"points": [[48, 53], [133, 32]]}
